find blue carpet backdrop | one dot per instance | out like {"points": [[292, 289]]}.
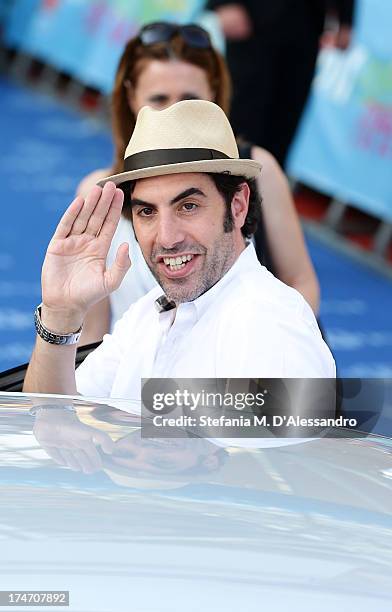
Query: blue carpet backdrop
{"points": [[46, 151]]}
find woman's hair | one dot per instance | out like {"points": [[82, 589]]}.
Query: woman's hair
{"points": [[132, 62]]}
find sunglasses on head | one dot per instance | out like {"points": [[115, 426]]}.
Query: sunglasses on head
{"points": [[159, 32]]}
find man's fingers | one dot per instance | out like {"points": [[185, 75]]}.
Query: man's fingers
{"points": [[90, 203], [67, 220], [98, 216], [110, 223], [121, 265]]}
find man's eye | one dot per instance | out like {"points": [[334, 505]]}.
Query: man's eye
{"points": [[145, 212], [188, 206]]}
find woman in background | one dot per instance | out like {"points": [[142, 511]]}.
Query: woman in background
{"points": [[164, 64]]}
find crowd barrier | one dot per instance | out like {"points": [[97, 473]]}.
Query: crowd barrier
{"points": [[344, 145]]}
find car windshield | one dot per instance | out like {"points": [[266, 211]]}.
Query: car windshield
{"points": [[91, 507]]}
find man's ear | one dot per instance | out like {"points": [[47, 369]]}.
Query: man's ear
{"points": [[240, 204]]}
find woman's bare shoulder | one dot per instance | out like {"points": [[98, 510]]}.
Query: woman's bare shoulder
{"points": [[91, 179], [266, 158]]}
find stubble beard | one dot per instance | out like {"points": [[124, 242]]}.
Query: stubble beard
{"points": [[216, 263]]}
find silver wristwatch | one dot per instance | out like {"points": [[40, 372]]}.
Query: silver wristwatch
{"points": [[51, 337]]}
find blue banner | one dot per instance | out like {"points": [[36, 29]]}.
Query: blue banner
{"points": [[58, 33], [113, 27], [18, 18], [117, 23], [85, 38], [344, 144]]}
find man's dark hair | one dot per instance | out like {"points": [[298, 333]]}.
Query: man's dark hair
{"points": [[227, 185]]}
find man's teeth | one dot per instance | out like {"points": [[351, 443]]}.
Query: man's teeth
{"points": [[176, 263]]}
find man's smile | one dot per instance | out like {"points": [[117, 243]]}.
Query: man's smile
{"points": [[176, 263], [178, 266]]}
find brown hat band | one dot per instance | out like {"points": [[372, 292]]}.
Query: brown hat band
{"points": [[164, 157]]}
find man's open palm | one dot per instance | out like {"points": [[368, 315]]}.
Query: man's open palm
{"points": [[74, 274]]}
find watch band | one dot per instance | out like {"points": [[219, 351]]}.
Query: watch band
{"points": [[51, 337]]}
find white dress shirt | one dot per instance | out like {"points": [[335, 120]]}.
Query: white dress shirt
{"points": [[248, 325]]}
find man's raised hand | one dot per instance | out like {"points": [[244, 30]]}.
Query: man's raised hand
{"points": [[74, 274]]}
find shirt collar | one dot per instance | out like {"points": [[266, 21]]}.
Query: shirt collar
{"points": [[246, 260]]}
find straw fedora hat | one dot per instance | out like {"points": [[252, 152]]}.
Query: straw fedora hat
{"points": [[189, 136]]}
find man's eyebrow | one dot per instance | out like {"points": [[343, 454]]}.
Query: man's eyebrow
{"points": [[187, 193], [177, 198], [137, 202]]}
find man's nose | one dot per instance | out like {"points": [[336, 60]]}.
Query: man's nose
{"points": [[170, 231]]}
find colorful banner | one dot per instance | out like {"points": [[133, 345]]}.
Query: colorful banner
{"points": [[85, 38], [117, 22], [344, 145], [60, 33]]}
